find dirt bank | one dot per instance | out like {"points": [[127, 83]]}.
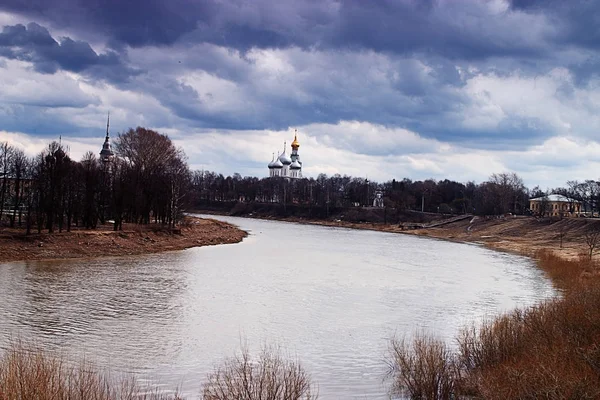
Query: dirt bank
{"points": [[103, 241], [522, 235]]}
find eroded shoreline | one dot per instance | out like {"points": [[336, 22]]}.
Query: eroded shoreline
{"points": [[103, 241]]}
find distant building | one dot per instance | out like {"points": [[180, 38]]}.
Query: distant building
{"points": [[555, 205], [106, 154], [287, 166]]}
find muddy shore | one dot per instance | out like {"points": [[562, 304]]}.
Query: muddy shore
{"points": [[103, 241]]}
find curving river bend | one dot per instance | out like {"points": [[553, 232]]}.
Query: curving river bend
{"points": [[330, 296]]}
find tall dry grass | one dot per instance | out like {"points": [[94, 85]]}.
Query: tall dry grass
{"points": [[29, 373], [551, 350]]}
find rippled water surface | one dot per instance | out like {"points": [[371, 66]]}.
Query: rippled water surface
{"points": [[332, 297]]}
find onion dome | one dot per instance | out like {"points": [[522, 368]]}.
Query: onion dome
{"points": [[284, 158], [296, 165], [277, 164], [295, 144], [271, 164]]}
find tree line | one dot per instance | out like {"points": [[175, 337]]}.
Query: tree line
{"points": [[147, 180], [501, 193]]}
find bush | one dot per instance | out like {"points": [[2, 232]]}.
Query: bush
{"points": [[270, 377], [423, 368]]}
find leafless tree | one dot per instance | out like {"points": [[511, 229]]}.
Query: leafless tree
{"points": [[269, 377], [6, 153], [423, 368], [155, 165], [562, 233], [592, 240], [544, 205], [18, 171]]}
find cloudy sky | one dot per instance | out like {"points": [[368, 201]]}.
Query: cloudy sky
{"points": [[385, 89]]}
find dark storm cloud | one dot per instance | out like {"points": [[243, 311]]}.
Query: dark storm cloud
{"points": [[34, 43], [456, 29], [579, 20], [391, 62], [135, 22]]}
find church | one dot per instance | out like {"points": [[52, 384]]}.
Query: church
{"points": [[287, 166]]}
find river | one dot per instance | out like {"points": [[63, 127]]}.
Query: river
{"points": [[331, 297]]}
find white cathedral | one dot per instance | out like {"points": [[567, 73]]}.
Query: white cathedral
{"points": [[287, 166]]}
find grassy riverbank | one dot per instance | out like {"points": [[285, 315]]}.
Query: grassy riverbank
{"points": [[103, 241], [546, 351]]}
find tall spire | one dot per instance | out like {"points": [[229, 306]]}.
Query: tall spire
{"points": [[106, 154], [107, 124]]}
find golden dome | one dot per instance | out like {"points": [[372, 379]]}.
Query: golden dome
{"points": [[295, 143]]}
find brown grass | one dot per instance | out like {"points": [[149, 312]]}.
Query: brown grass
{"points": [[550, 351], [27, 373]]}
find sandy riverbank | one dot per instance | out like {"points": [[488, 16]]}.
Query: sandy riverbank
{"points": [[103, 241]]}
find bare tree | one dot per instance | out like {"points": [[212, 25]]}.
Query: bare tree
{"points": [[270, 377], [509, 191], [6, 152], [544, 205], [592, 240], [151, 157], [423, 368], [562, 233], [18, 170]]}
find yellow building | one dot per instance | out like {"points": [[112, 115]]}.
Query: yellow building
{"points": [[555, 205]]}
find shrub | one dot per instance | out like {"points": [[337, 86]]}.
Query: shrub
{"points": [[423, 368], [270, 377]]}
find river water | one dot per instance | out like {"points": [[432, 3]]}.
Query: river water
{"points": [[331, 297]]}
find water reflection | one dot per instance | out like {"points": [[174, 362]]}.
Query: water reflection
{"points": [[331, 296]]}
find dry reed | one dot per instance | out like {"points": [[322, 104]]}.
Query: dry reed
{"points": [[547, 351], [27, 372]]}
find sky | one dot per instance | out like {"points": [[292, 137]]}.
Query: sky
{"points": [[442, 89]]}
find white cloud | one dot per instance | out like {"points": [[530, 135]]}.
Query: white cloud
{"points": [[21, 85], [249, 152], [553, 100]]}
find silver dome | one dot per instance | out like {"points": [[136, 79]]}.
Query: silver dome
{"points": [[285, 159], [272, 163], [277, 164]]}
